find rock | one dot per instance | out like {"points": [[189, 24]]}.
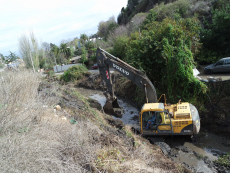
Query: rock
{"points": [[94, 104], [165, 148], [185, 149], [58, 108], [115, 122]]}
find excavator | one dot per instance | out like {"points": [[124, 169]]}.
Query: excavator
{"points": [[181, 118]]}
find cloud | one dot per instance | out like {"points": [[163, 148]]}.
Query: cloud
{"points": [[52, 20]]}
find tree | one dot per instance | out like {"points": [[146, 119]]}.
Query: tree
{"points": [[29, 50], [83, 38], [104, 28], [2, 57], [12, 57], [216, 36], [165, 52], [46, 46], [65, 50], [56, 52]]}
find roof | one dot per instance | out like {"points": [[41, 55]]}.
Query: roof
{"points": [[75, 58], [225, 58], [148, 106]]}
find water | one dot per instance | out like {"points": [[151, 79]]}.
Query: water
{"points": [[207, 144], [130, 115]]}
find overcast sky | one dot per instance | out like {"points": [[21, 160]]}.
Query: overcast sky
{"points": [[52, 20]]}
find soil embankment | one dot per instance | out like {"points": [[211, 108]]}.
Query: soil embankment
{"points": [[117, 148]]}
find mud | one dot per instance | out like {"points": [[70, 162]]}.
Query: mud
{"points": [[198, 156]]}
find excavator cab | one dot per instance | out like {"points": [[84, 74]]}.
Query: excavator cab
{"points": [[162, 124]]}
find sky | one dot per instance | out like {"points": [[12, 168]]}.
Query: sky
{"points": [[52, 20]]}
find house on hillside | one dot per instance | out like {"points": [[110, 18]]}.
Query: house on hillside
{"points": [[75, 60]]}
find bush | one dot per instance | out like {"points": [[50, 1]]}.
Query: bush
{"points": [[89, 45], [119, 47], [216, 37], [165, 52], [169, 10], [74, 73], [78, 52]]}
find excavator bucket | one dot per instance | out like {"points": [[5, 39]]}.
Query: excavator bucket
{"points": [[115, 104], [113, 108]]}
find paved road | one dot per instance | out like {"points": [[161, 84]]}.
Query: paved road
{"points": [[224, 76]]}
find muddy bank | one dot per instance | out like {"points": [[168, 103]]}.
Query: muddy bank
{"points": [[215, 117], [123, 88], [198, 156], [118, 149]]}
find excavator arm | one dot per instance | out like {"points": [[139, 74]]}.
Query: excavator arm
{"points": [[106, 60]]}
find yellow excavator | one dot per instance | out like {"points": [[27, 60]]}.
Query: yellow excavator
{"points": [[155, 118]]}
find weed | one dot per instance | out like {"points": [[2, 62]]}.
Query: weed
{"points": [[224, 160]]}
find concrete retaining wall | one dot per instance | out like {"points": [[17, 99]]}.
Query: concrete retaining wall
{"points": [[63, 68]]}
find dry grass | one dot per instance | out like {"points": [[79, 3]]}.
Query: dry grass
{"points": [[31, 143], [32, 139]]}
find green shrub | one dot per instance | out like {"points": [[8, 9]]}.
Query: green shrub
{"points": [[74, 73], [165, 52], [119, 47], [89, 45], [169, 10], [78, 52], [215, 37], [224, 160]]}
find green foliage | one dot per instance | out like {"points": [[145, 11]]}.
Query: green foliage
{"points": [[224, 160], [84, 59], [78, 52], [46, 63], [170, 10], [50, 73], [84, 37], [93, 54], [89, 45], [11, 57], [1, 65], [119, 47], [216, 37], [74, 73], [65, 50], [165, 52], [105, 28], [220, 3]]}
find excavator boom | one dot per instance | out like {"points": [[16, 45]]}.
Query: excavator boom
{"points": [[106, 60]]}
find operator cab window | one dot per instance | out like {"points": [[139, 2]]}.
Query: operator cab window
{"points": [[150, 123]]}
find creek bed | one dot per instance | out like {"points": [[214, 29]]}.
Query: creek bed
{"points": [[184, 151]]}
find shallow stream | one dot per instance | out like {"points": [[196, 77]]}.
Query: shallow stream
{"points": [[183, 149]]}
